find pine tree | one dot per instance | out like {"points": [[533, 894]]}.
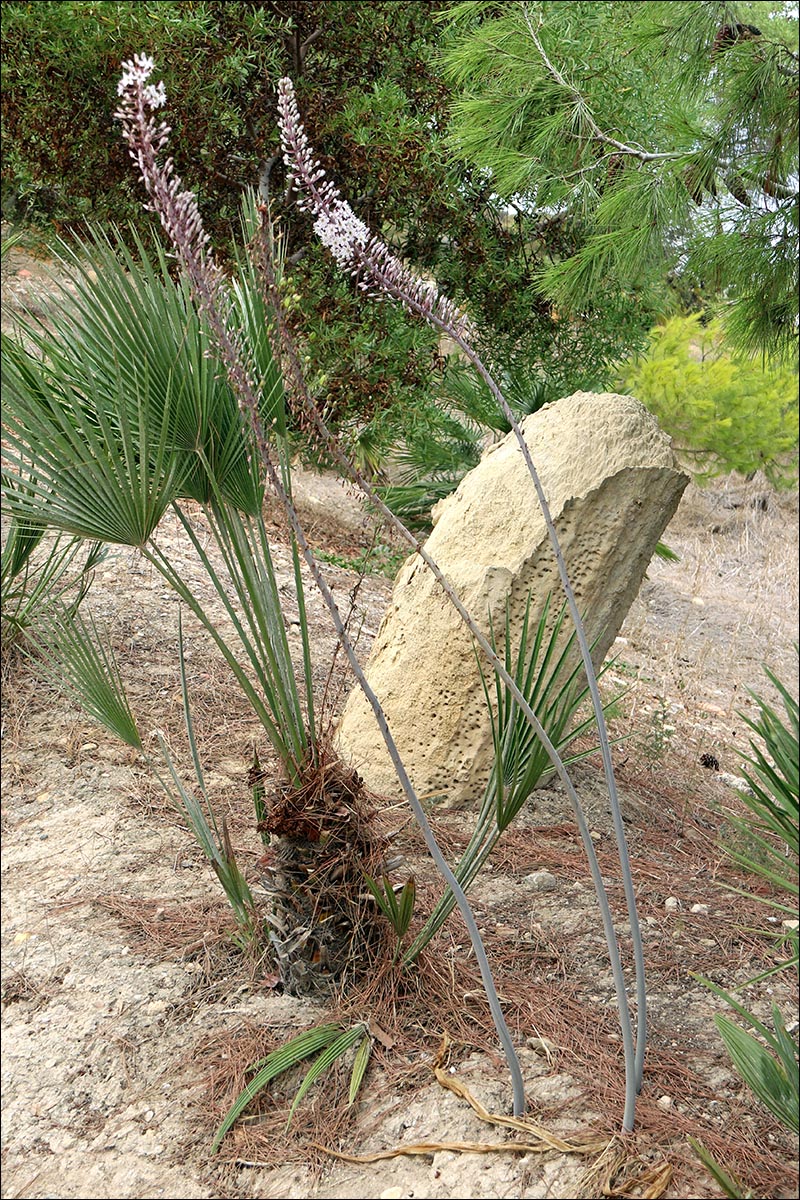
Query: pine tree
{"points": [[667, 131]]}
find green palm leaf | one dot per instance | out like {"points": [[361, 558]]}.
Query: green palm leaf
{"points": [[96, 474], [360, 1064], [772, 1078], [122, 411], [37, 574], [130, 343], [282, 1059], [327, 1058], [79, 660]]}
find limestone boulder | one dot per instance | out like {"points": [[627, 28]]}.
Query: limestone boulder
{"points": [[610, 477]]}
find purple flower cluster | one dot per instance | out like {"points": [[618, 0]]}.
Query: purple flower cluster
{"points": [[376, 270], [177, 209], [180, 216]]}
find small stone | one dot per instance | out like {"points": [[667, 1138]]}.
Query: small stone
{"points": [[393, 1193], [89, 746], [664, 1102], [700, 909], [791, 925], [734, 781], [672, 904], [541, 881], [60, 1142], [541, 1045]]}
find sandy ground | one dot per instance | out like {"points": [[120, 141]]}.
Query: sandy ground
{"points": [[128, 1018]]}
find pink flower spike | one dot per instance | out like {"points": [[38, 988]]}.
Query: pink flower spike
{"points": [[356, 250]]}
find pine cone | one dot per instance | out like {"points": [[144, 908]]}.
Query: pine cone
{"points": [[729, 35]]}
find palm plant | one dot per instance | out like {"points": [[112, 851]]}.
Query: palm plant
{"points": [[119, 416], [768, 1062]]}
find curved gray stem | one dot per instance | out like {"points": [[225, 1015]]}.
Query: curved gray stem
{"points": [[597, 705], [632, 1073], [377, 271], [397, 762], [394, 289]]}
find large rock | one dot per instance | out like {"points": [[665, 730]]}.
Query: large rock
{"points": [[610, 478]]}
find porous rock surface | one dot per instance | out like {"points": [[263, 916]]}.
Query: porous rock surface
{"points": [[611, 481]]}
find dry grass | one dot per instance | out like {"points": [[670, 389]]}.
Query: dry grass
{"points": [[698, 658], [754, 1147], [543, 984], [733, 599]]}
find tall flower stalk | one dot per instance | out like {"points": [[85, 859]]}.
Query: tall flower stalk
{"points": [[379, 273], [180, 218]]}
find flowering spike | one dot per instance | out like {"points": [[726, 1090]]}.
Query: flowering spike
{"points": [[176, 207], [359, 252], [376, 270]]}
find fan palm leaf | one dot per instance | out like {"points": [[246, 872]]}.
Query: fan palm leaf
{"points": [[545, 670], [103, 475]]}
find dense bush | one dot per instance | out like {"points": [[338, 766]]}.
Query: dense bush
{"points": [[63, 158], [724, 413]]}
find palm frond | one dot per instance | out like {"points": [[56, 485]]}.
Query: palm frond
{"points": [[275, 1064], [327, 1058], [100, 473], [544, 668], [76, 657]]}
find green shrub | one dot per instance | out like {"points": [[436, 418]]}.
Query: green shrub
{"points": [[724, 413], [63, 159]]}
